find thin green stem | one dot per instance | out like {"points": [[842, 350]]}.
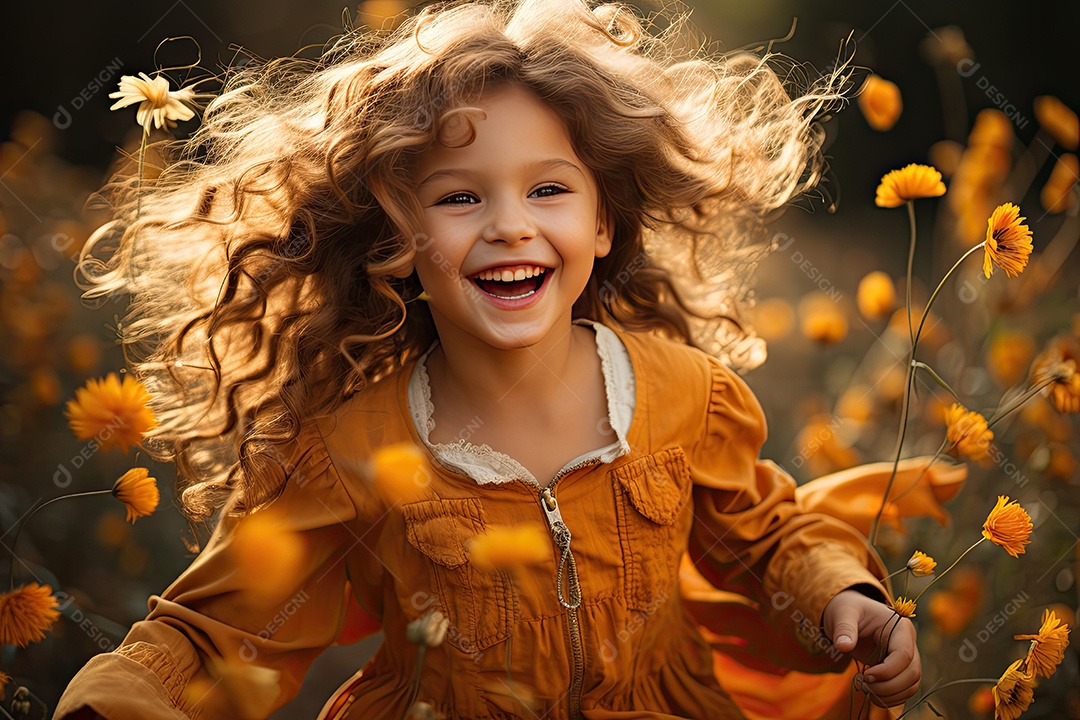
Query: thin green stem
{"points": [[910, 265], [875, 525], [18, 531], [926, 469], [904, 411], [943, 572], [926, 310], [1017, 404], [894, 574], [920, 701]]}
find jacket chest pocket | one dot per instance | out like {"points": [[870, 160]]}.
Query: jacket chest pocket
{"points": [[651, 494], [477, 603]]}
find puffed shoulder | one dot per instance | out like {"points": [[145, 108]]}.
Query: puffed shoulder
{"points": [[719, 417], [311, 488]]}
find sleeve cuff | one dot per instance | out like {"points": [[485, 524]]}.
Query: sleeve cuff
{"points": [[118, 688]]}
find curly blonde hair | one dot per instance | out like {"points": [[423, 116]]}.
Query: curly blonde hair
{"points": [[268, 265]]}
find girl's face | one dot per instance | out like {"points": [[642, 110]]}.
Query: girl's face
{"points": [[511, 225]]}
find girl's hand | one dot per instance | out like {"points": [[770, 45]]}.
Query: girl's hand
{"points": [[871, 632]]}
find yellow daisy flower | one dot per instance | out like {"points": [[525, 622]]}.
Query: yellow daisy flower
{"points": [[139, 493], [1013, 694], [876, 296], [968, 432], [1008, 525], [112, 412], [510, 548], [1059, 120], [400, 472], [880, 103], [909, 183], [26, 614], [1008, 243], [1057, 194], [1057, 364], [904, 607], [1047, 646], [921, 564]]}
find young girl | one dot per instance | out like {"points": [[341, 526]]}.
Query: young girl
{"points": [[513, 235]]}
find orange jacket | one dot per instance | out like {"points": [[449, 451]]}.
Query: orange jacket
{"points": [[691, 493]]}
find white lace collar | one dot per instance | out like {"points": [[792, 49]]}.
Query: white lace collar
{"points": [[486, 465]]}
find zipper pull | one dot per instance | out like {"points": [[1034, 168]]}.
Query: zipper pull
{"points": [[559, 532], [567, 565]]}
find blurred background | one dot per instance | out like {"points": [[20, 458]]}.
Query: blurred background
{"points": [[831, 387]]}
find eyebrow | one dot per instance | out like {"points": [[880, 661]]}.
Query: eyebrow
{"points": [[540, 165]]}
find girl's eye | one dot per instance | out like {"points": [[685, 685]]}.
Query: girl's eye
{"points": [[548, 191], [459, 198]]}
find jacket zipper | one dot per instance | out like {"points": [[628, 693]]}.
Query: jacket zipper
{"points": [[568, 566]]}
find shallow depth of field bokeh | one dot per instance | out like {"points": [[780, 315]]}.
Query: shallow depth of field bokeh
{"points": [[833, 384]]}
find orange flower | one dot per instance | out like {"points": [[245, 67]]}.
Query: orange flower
{"points": [[4, 680], [993, 129], [773, 319], [921, 564], [1062, 464], [821, 445], [112, 412], [954, 608], [26, 613], [945, 155], [510, 548], [904, 607], [981, 701], [382, 14], [139, 493], [1008, 243], [880, 103], [1048, 646], [1014, 692], [1056, 195], [876, 296], [968, 432], [909, 183], [1057, 365], [1057, 119], [822, 320], [401, 472], [1008, 525], [268, 553]]}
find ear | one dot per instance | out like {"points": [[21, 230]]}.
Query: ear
{"points": [[604, 225]]}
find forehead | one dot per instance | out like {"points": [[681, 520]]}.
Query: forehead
{"points": [[507, 124]]}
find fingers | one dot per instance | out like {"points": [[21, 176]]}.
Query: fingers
{"points": [[897, 678], [889, 685], [842, 625]]}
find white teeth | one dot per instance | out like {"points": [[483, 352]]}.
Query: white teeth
{"points": [[508, 275]]}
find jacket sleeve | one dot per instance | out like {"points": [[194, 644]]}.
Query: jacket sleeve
{"points": [[752, 536], [234, 635]]}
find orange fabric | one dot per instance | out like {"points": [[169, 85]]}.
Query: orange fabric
{"points": [[691, 493]]}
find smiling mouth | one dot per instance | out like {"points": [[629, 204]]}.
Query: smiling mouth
{"points": [[507, 284]]}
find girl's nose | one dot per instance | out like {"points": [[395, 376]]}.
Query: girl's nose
{"points": [[510, 223]]}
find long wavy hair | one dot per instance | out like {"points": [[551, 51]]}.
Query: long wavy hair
{"points": [[269, 264]]}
